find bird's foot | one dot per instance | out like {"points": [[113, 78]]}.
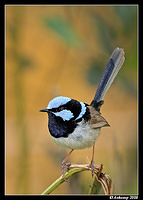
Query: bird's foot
{"points": [[95, 168], [92, 167], [65, 168]]}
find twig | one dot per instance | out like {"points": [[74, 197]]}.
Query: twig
{"points": [[100, 177], [60, 180]]}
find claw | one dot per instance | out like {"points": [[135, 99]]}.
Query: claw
{"points": [[92, 167], [65, 168]]}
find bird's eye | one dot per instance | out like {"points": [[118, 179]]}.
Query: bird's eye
{"points": [[60, 109]]}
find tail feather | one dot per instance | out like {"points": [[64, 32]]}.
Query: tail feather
{"points": [[111, 70]]}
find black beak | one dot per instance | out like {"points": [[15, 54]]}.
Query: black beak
{"points": [[44, 110]]}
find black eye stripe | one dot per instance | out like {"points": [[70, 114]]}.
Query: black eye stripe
{"points": [[57, 109]]}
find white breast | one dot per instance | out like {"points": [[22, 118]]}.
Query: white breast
{"points": [[83, 137]]}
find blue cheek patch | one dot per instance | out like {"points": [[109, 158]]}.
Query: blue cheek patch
{"points": [[83, 110], [66, 115]]}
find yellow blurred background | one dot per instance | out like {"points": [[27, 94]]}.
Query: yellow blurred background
{"points": [[62, 50]]}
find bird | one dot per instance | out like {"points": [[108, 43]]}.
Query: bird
{"points": [[77, 125]]}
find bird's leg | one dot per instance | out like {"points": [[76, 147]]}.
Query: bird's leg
{"points": [[64, 167], [91, 165]]}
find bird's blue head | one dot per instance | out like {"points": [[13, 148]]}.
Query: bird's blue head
{"points": [[64, 115], [66, 108]]}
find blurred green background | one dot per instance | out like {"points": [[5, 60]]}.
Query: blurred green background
{"points": [[62, 50]]}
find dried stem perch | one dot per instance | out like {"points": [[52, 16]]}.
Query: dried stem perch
{"points": [[100, 178]]}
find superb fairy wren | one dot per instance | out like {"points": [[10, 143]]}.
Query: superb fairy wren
{"points": [[76, 125]]}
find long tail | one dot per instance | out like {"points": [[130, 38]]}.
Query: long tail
{"points": [[111, 70]]}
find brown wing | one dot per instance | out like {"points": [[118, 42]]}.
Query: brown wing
{"points": [[97, 121]]}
